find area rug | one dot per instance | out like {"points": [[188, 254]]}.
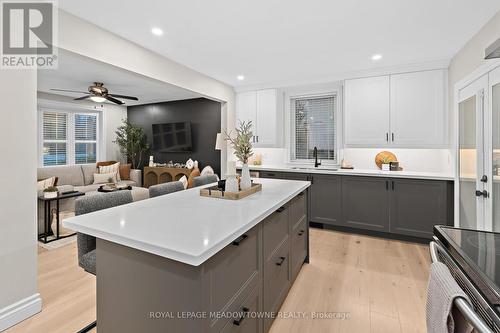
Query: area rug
{"points": [[58, 243]]}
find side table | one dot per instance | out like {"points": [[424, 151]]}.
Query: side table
{"points": [[47, 214]]}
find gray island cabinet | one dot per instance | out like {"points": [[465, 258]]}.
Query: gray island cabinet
{"points": [[234, 281]]}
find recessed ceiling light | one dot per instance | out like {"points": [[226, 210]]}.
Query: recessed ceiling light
{"points": [[240, 77], [376, 57], [157, 31]]}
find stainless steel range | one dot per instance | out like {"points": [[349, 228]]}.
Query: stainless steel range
{"points": [[473, 258]]}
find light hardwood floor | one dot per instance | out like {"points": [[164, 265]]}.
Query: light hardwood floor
{"points": [[380, 284]]}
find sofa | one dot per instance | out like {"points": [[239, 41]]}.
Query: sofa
{"points": [[81, 178]]}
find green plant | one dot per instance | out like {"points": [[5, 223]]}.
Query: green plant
{"points": [[132, 142], [51, 189], [241, 142]]}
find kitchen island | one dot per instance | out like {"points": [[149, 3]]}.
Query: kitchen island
{"points": [[186, 263]]}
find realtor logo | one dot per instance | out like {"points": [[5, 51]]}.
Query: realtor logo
{"points": [[28, 34]]}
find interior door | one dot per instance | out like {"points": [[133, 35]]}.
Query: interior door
{"points": [[493, 156], [472, 183]]}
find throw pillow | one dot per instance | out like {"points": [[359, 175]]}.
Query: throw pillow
{"points": [[125, 171], [106, 163], [113, 168], [103, 178], [194, 173], [207, 171], [43, 184], [184, 181]]}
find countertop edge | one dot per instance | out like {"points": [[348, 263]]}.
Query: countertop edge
{"points": [[354, 172], [193, 260]]}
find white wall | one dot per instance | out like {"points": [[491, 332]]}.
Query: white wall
{"points": [[18, 252], [471, 55], [84, 38], [112, 116]]}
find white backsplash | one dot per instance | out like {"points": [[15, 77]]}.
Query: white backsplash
{"points": [[418, 160]]}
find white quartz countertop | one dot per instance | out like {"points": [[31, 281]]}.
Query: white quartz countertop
{"points": [[355, 172], [185, 226]]}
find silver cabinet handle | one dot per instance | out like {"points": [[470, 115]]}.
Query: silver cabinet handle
{"points": [[462, 305]]}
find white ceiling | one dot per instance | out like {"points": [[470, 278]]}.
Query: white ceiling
{"points": [[291, 40], [75, 72]]}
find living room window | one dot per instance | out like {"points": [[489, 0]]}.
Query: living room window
{"points": [[68, 138], [313, 124]]}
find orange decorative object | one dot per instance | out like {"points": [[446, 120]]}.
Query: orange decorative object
{"points": [[384, 156]]}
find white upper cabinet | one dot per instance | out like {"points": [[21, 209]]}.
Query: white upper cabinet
{"points": [[418, 109], [367, 111], [261, 108], [402, 110], [246, 106]]}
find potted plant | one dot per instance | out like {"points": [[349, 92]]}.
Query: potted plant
{"points": [[133, 143], [50, 192], [242, 146]]}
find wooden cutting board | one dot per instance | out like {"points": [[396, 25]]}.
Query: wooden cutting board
{"points": [[384, 155]]}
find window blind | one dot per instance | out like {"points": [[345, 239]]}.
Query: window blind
{"points": [[313, 125], [85, 138], [54, 128]]}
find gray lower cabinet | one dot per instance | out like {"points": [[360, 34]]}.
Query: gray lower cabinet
{"points": [[365, 203], [270, 174], [409, 207], [418, 205], [325, 199]]}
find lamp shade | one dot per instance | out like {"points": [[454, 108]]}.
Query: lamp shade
{"points": [[219, 142]]}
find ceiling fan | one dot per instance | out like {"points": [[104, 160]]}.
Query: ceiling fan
{"points": [[98, 93]]}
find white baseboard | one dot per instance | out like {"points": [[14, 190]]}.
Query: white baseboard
{"points": [[19, 311]]}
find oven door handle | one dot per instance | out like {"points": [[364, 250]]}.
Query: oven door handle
{"points": [[462, 305]]}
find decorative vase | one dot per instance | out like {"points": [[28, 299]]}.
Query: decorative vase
{"points": [[231, 184], [245, 182]]}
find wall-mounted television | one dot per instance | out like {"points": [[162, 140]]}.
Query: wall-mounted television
{"points": [[172, 137]]}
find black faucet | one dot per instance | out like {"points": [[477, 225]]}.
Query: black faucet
{"points": [[315, 154]]}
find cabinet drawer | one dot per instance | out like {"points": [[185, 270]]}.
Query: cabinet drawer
{"points": [[275, 230], [233, 270], [276, 281], [298, 247], [246, 321], [298, 209]]}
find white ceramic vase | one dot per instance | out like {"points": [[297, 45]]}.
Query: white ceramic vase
{"points": [[245, 182], [231, 184]]}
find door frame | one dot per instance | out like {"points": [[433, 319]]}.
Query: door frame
{"points": [[463, 85]]}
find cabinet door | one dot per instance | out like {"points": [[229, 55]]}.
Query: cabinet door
{"points": [[246, 108], [325, 199], [266, 126], [418, 205], [418, 114], [365, 203], [367, 111]]}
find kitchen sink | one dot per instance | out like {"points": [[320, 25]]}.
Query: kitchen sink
{"points": [[313, 168]]}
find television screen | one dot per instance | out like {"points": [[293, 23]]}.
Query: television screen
{"points": [[172, 137]]}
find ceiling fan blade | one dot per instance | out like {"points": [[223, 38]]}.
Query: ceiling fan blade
{"points": [[114, 100], [80, 98], [73, 91], [124, 96]]}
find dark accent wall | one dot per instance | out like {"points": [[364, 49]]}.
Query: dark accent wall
{"points": [[205, 118]]}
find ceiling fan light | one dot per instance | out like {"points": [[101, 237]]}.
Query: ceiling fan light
{"points": [[97, 99]]}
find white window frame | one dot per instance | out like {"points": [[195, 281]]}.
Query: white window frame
{"points": [[290, 130], [71, 110]]}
